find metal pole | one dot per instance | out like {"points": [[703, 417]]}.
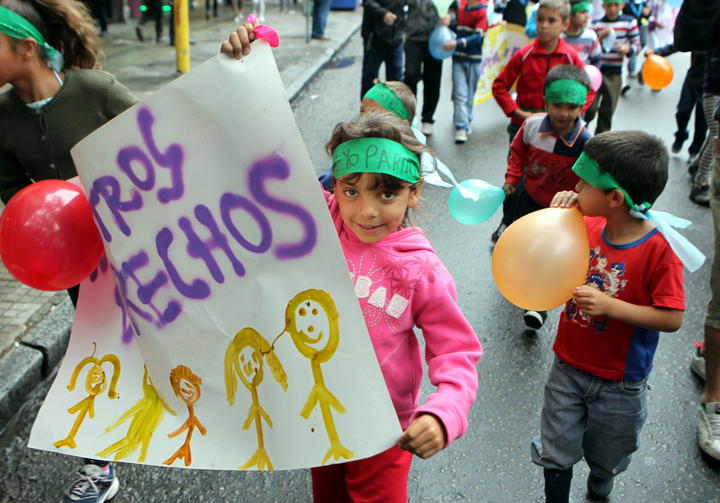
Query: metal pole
{"points": [[182, 35], [307, 10]]}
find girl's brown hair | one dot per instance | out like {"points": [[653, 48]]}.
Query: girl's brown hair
{"points": [[66, 25], [374, 124]]}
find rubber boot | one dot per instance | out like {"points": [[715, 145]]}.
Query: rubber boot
{"points": [[557, 485]]}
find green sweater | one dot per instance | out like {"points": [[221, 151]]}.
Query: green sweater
{"points": [[35, 144]]}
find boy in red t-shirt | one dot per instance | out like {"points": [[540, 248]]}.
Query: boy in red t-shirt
{"points": [[594, 405], [529, 67]]}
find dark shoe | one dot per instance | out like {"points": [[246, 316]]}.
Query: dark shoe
{"points": [[498, 232], [624, 90], [700, 194], [678, 143], [598, 488], [535, 319], [557, 485], [322, 38], [138, 32]]}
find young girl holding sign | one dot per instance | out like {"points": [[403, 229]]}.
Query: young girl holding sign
{"points": [[400, 283], [48, 49]]}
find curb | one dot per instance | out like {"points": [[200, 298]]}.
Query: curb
{"points": [[33, 359]]}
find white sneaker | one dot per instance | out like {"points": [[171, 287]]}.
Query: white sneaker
{"points": [[697, 364], [427, 128], [461, 136], [709, 429]]}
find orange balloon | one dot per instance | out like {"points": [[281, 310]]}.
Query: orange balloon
{"points": [[540, 259], [657, 72]]}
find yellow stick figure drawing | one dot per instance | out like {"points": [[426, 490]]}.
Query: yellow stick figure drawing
{"points": [[146, 415], [311, 319], [186, 386], [95, 384], [244, 359]]}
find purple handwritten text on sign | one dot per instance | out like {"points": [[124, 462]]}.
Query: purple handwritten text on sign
{"points": [[276, 167]]}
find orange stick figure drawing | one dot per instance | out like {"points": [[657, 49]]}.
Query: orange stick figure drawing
{"points": [[311, 320], [244, 359], [146, 415], [95, 384], [186, 386]]}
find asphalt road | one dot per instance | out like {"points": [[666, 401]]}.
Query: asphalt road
{"points": [[491, 463]]}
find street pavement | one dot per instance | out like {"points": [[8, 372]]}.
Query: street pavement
{"points": [[491, 462]]}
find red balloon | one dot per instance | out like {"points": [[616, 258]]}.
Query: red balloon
{"points": [[50, 241]]}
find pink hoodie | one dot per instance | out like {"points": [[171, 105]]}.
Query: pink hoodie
{"points": [[400, 282]]}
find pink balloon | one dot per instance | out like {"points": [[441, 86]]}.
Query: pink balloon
{"points": [[267, 33], [595, 76]]}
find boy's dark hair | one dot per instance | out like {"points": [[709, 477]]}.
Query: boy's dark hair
{"points": [[567, 72], [562, 7], [637, 160]]}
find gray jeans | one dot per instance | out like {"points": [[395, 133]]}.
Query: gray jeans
{"points": [[584, 415]]}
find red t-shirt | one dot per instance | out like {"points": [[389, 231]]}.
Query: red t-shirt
{"points": [[645, 272]]}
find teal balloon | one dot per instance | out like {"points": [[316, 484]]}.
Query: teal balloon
{"points": [[470, 212]]}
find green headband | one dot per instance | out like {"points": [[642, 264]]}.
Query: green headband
{"points": [[375, 155], [580, 7], [16, 26], [613, 1], [590, 172], [387, 98], [566, 91]]}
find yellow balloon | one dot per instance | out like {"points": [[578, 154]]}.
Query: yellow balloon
{"points": [[540, 259]]}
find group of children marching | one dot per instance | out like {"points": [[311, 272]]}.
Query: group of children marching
{"points": [[594, 405]]}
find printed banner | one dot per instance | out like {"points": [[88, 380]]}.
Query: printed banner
{"points": [[500, 43], [222, 331]]}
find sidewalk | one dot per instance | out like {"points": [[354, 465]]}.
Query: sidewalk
{"points": [[35, 325]]}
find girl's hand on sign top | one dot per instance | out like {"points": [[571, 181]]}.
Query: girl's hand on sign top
{"points": [[238, 43], [564, 199], [509, 188], [424, 437]]}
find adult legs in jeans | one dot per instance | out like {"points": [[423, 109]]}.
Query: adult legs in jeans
{"points": [[420, 65], [321, 9], [465, 76], [609, 96], [377, 53]]}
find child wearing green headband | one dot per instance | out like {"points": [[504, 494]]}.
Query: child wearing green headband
{"points": [[55, 100], [544, 150], [594, 405], [400, 283], [376, 170]]}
